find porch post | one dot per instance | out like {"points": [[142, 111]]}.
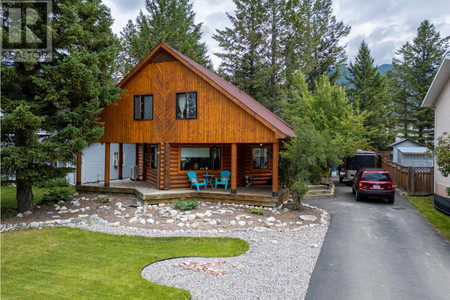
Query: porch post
{"points": [[275, 166], [78, 169], [107, 161], [120, 160], [233, 168]]}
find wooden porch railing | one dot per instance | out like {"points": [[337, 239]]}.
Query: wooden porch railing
{"points": [[413, 180]]}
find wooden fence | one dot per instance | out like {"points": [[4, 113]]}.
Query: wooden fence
{"points": [[413, 180]]}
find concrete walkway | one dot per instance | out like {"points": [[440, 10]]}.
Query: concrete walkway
{"points": [[374, 250]]}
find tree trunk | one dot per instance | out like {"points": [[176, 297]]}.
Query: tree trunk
{"points": [[24, 196]]}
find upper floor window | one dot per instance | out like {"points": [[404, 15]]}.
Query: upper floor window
{"points": [[143, 107], [187, 105], [260, 158]]}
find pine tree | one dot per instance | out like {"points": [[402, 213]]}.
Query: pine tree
{"points": [[398, 79], [270, 40], [313, 40], [368, 93], [167, 21], [412, 76], [243, 45], [125, 62], [62, 98]]}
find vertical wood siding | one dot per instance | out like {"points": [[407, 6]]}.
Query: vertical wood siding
{"points": [[219, 120]]}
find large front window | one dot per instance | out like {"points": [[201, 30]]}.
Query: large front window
{"points": [[260, 158], [187, 105], [196, 158]]}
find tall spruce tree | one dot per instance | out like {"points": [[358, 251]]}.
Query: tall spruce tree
{"points": [[313, 40], [411, 77], [62, 98], [270, 40], [243, 45], [167, 21], [368, 93]]}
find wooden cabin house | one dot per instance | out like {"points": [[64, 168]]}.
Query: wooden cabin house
{"points": [[183, 117]]}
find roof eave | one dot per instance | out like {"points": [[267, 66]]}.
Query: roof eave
{"points": [[438, 83]]}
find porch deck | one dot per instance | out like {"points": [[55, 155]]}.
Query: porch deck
{"points": [[257, 195]]}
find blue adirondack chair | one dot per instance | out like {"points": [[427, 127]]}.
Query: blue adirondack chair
{"points": [[196, 182], [223, 179]]}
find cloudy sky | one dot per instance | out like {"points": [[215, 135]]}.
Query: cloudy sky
{"points": [[384, 24]]}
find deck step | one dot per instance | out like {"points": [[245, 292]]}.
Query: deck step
{"points": [[317, 187], [319, 191]]}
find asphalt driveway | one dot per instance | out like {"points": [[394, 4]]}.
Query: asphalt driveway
{"points": [[375, 250]]}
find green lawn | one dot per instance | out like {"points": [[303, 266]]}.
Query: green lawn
{"points": [[439, 220], [65, 263], [9, 202]]}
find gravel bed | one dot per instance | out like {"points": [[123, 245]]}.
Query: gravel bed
{"points": [[278, 265]]}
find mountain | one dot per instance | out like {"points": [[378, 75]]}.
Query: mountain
{"points": [[382, 69]]}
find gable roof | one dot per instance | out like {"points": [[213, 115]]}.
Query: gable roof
{"points": [[404, 140], [243, 100], [439, 81]]}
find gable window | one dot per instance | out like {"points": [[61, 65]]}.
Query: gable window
{"points": [[260, 158], [187, 105], [143, 107], [196, 158], [154, 157]]}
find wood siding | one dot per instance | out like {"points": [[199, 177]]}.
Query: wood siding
{"points": [[179, 179], [219, 120]]}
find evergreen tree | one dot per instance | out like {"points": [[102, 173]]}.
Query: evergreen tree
{"points": [[313, 40], [125, 62], [270, 40], [167, 21], [62, 98], [411, 78], [398, 80], [243, 45], [368, 93]]}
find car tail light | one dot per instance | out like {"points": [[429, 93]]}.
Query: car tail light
{"points": [[393, 187], [360, 185]]}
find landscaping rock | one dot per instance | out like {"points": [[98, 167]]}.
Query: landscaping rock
{"points": [[195, 225], [308, 218], [20, 215]]}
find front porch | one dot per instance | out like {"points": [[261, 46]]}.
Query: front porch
{"points": [[259, 195]]}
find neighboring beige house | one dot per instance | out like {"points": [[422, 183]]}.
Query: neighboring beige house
{"points": [[438, 97]]}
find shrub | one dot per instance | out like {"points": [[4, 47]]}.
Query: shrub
{"points": [[53, 196], [256, 211], [51, 183], [103, 199], [186, 205]]}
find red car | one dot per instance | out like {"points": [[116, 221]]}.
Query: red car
{"points": [[370, 182]]}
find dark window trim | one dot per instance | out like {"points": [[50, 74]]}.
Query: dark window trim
{"points": [[196, 105], [268, 158], [154, 164], [185, 171], [141, 97]]}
